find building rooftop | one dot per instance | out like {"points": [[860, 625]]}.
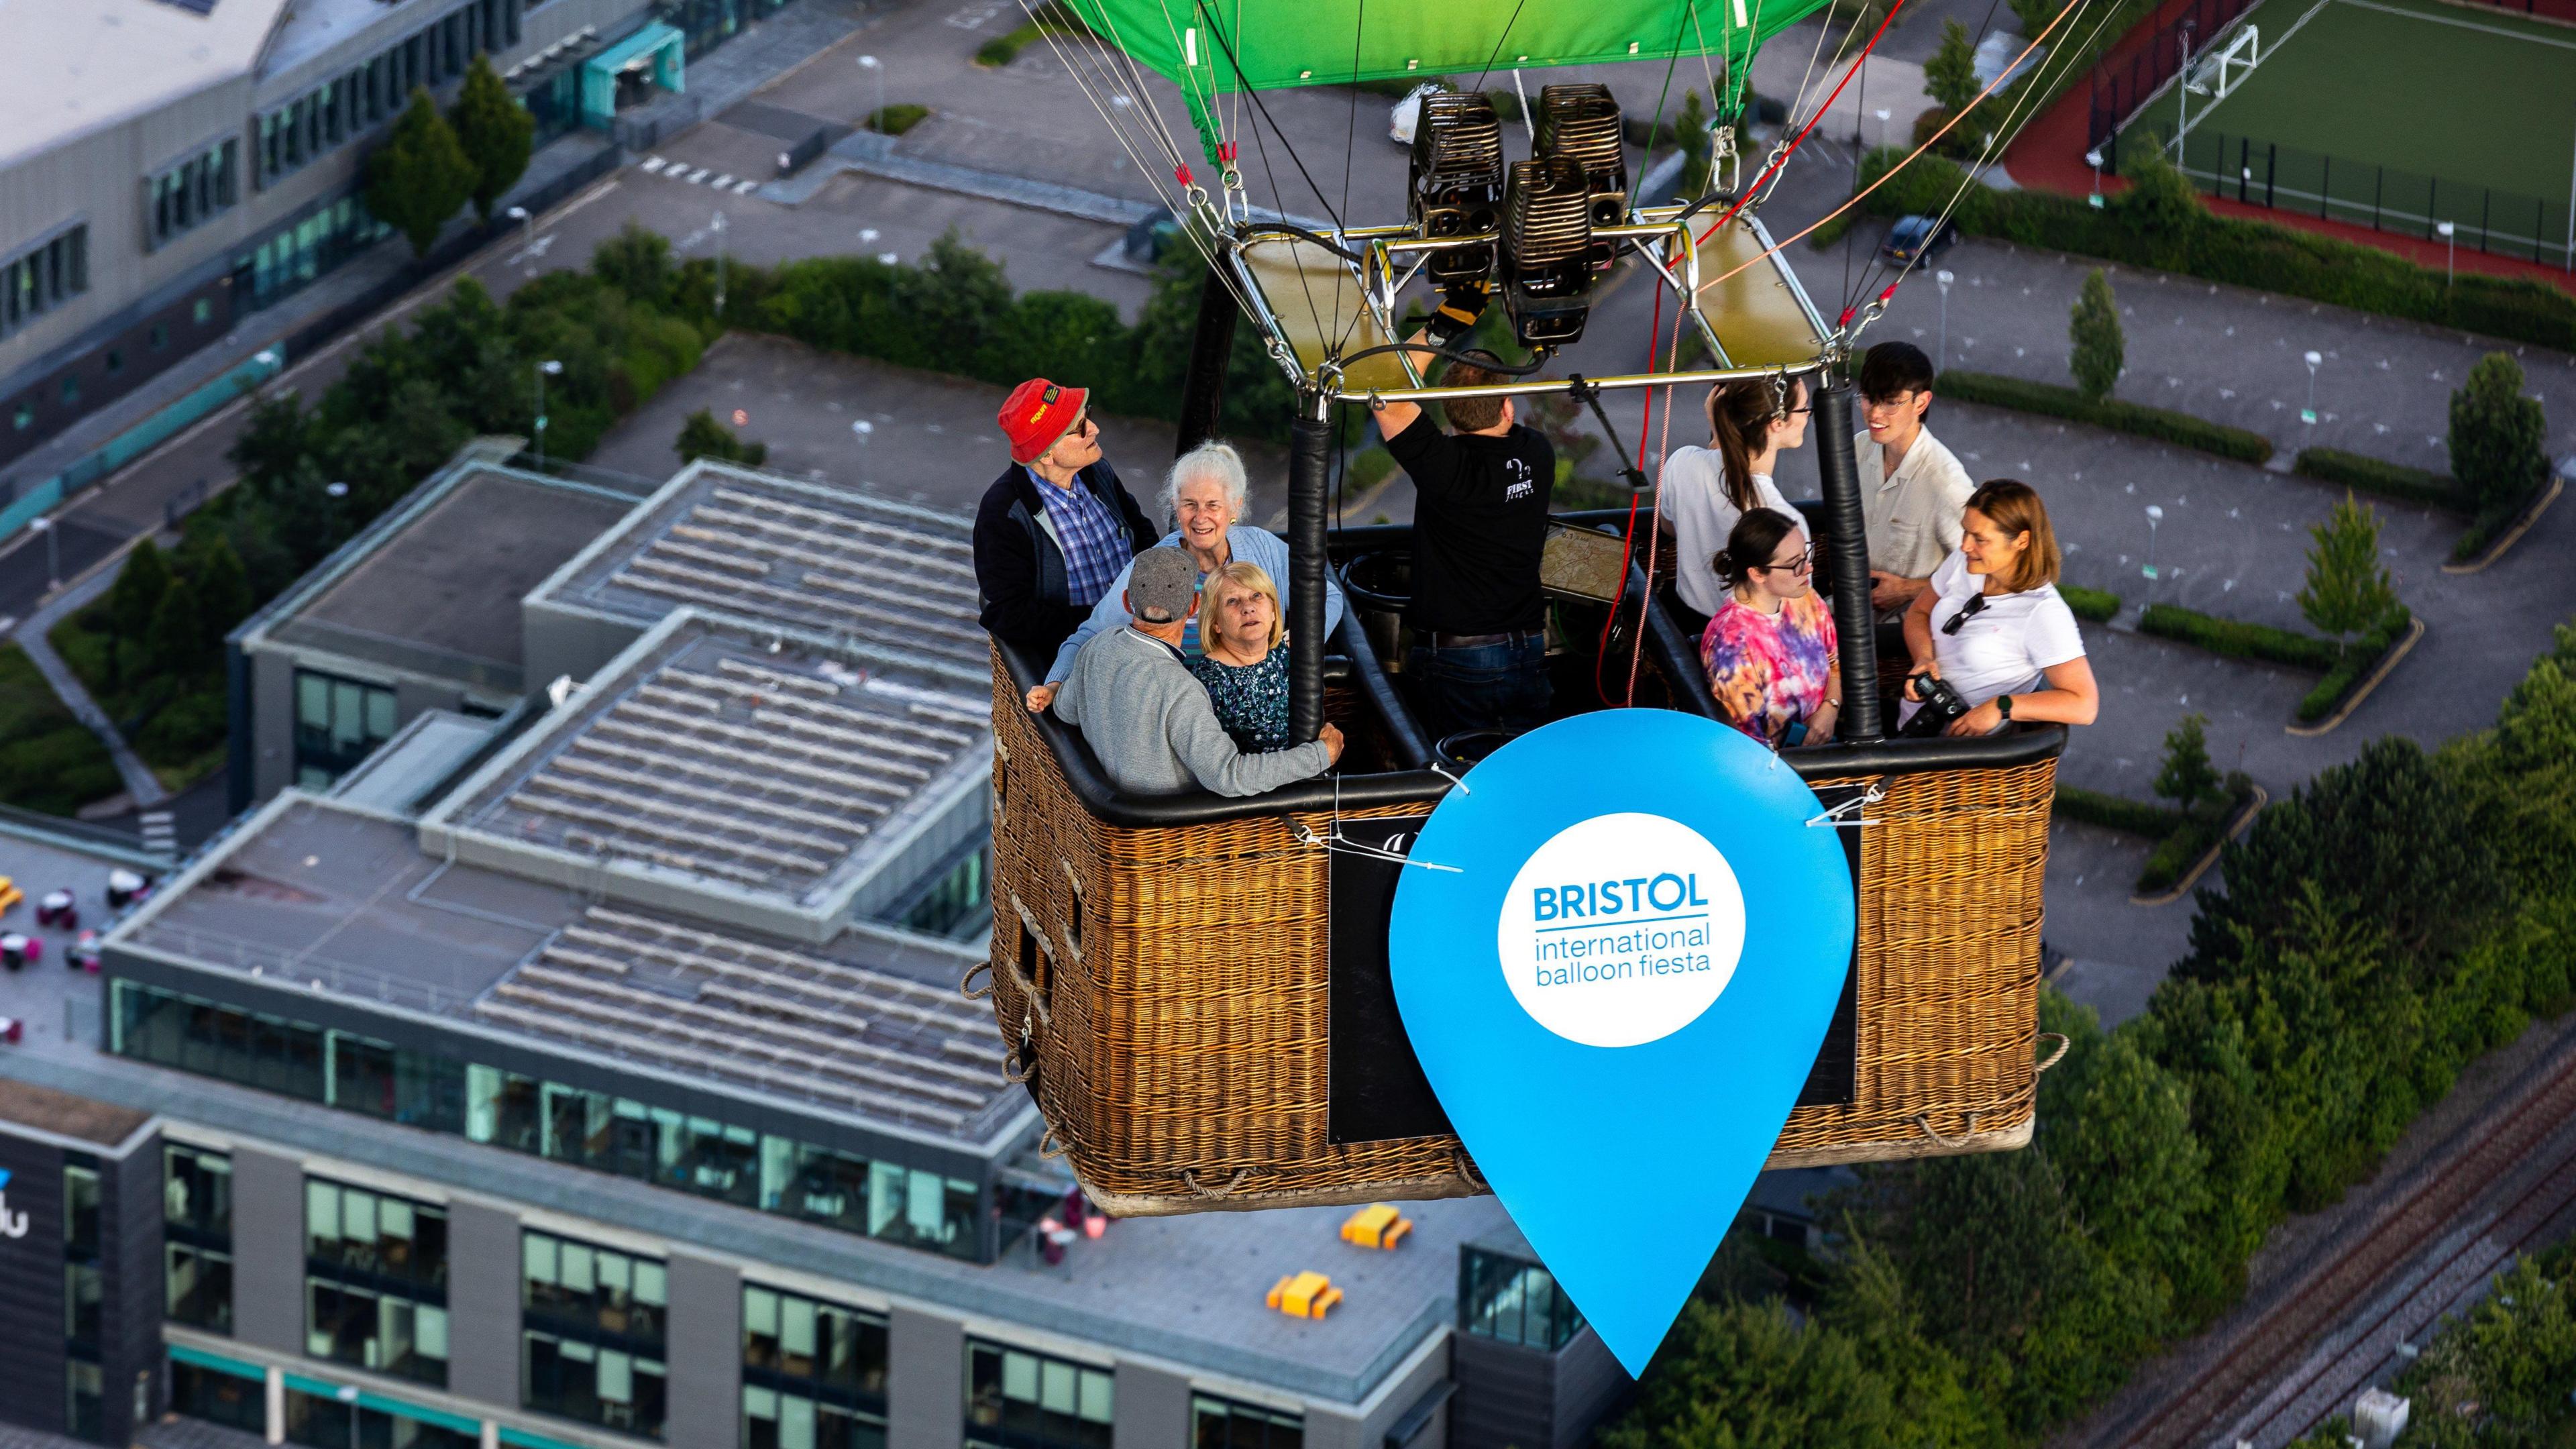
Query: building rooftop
{"points": [[765, 783], [433, 747], [435, 588], [65, 1115], [72, 68], [833, 563], [343, 902]]}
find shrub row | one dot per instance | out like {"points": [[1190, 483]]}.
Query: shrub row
{"points": [[2117, 812], [2379, 477], [2355, 666], [2192, 837], [2237, 639], [1055, 16], [2097, 605], [2163, 425], [2159, 223]]}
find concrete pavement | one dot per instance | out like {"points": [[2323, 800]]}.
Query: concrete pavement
{"points": [[139, 780]]}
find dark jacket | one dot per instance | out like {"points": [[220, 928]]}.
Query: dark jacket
{"points": [[1019, 568]]}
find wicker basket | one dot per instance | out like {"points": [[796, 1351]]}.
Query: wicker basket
{"points": [[1164, 989]]}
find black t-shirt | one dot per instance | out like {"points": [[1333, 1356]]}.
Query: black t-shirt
{"points": [[1479, 526]]}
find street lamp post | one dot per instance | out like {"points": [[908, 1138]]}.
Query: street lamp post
{"points": [[2309, 414], [719, 225], [53, 559], [2093, 158], [1945, 277], [545, 369], [2155, 515], [527, 225], [2449, 234], [2182, 93], [877, 120], [1882, 127]]}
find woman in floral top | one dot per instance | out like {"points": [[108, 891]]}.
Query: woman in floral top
{"points": [[1769, 649], [1244, 662]]}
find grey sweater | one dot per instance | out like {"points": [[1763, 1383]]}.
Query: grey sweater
{"points": [[1148, 719]]}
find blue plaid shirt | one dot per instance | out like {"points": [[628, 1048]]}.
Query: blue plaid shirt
{"points": [[1087, 532]]}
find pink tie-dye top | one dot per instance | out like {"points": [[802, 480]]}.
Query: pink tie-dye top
{"points": [[1768, 671]]}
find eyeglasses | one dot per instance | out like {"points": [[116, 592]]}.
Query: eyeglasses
{"points": [[1976, 605], [1803, 563]]}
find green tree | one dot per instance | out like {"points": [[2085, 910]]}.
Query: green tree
{"points": [[1950, 76], [131, 601], [495, 132], [2160, 208], [177, 640], [421, 175], [637, 262], [1746, 1376], [276, 436], [2099, 351], [2496, 436], [703, 437], [2188, 778], [223, 592], [2348, 590], [1690, 132]]}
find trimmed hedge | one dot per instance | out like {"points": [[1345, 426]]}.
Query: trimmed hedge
{"points": [[2096, 605], [2236, 639], [1001, 50], [2145, 227], [2378, 476], [896, 119], [2483, 529], [2117, 812], [2355, 665], [2048, 399]]}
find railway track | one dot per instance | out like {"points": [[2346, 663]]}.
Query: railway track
{"points": [[2508, 1178]]}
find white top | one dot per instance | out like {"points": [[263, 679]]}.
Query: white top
{"points": [[1694, 498], [1912, 515], [2011, 642]]}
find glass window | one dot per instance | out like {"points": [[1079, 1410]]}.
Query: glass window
{"points": [[381, 1080], [373, 1330], [84, 1291], [197, 1189], [1224, 1424], [1016, 1399], [198, 1287], [598, 1385], [775, 1419], [354, 1232], [211, 1394], [815, 1348], [339, 722], [80, 1211], [1513, 1301], [71, 391], [84, 1402], [320, 1422], [376, 1294], [581, 1287], [204, 311]]}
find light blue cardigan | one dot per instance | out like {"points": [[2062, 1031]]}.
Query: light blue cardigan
{"points": [[1258, 546]]}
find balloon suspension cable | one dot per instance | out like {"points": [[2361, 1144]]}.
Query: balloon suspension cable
{"points": [[1893, 171], [1589, 394], [1655, 518], [1780, 156]]}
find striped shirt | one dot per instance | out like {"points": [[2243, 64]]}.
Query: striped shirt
{"points": [[1087, 533]]}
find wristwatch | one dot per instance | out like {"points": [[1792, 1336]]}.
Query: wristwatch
{"points": [[2003, 706]]}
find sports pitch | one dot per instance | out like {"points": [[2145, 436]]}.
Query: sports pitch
{"points": [[2477, 97]]}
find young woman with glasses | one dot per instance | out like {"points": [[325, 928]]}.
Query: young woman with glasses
{"points": [[1705, 490], [1991, 622], [1769, 648]]}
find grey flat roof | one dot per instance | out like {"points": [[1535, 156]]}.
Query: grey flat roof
{"points": [[827, 561], [314, 895], [450, 578], [713, 758], [71, 67], [408, 766]]}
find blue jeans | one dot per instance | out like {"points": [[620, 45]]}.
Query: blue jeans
{"points": [[1489, 686]]}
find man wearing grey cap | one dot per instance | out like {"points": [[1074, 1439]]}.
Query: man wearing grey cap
{"points": [[1148, 718]]}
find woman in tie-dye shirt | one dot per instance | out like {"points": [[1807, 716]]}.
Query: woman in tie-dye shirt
{"points": [[1769, 649]]}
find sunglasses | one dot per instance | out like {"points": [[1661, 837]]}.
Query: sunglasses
{"points": [[1976, 605]]}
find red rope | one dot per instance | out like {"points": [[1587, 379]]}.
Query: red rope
{"points": [[1746, 197]]}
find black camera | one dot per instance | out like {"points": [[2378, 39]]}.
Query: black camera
{"points": [[1940, 705]]}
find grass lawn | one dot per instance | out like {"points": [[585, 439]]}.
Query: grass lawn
{"points": [[2475, 99], [177, 726], [48, 760]]}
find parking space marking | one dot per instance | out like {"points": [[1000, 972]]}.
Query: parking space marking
{"points": [[654, 164], [697, 176]]}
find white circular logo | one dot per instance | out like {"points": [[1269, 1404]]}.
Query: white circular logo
{"points": [[1621, 930]]}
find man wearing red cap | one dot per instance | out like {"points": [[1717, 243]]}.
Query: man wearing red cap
{"points": [[1057, 527]]}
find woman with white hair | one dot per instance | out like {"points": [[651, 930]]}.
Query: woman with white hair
{"points": [[1204, 495]]}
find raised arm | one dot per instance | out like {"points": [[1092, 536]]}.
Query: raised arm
{"points": [[1395, 417]]}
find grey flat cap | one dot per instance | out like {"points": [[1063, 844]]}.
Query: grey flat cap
{"points": [[1160, 585]]}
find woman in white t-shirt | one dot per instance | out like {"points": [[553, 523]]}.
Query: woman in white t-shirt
{"points": [[1705, 490], [1992, 624]]}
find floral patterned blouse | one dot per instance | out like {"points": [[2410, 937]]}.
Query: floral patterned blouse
{"points": [[1251, 699], [1769, 671]]}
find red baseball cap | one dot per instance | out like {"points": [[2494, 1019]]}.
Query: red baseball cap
{"points": [[1038, 415]]}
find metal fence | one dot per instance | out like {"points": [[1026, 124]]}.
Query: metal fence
{"points": [[2384, 198], [2123, 82]]}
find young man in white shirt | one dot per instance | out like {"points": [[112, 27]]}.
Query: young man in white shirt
{"points": [[1912, 489]]}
